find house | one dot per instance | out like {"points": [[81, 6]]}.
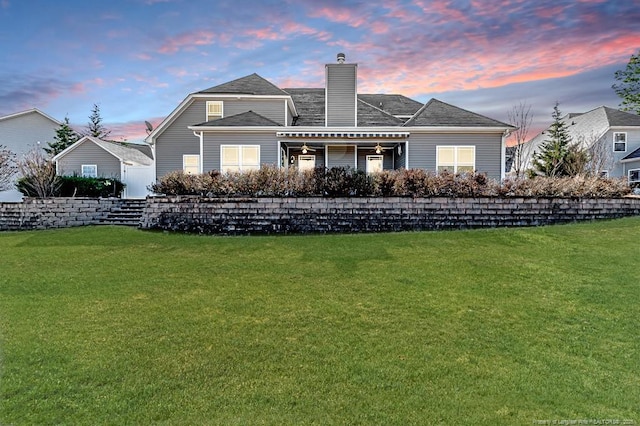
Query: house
{"points": [[250, 122], [92, 157], [612, 136], [23, 131]]}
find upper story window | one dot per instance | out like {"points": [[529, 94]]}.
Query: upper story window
{"points": [[214, 110], [89, 170], [620, 142], [456, 159]]}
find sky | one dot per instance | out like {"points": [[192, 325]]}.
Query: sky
{"points": [[138, 59]]}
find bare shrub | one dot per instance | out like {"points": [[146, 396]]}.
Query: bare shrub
{"points": [[39, 177]]}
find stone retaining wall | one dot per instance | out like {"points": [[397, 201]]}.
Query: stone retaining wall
{"points": [[44, 213], [375, 214]]}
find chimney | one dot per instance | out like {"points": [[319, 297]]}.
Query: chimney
{"points": [[341, 98]]}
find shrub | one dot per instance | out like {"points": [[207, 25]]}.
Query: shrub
{"points": [[39, 177], [269, 181], [78, 186]]}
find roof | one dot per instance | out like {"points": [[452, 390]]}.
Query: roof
{"points": [[619, 118], [311, 108], [436, 113], [393, 104], [30, 111], [122, 151], [244, 119], [633, 156], [249, 85]]}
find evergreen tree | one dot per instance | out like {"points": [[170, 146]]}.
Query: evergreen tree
{"points": [[65, 137], [628, 86], [552, 158], [95, 127]]}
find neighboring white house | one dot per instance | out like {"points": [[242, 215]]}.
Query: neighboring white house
{"points": [[612, 134], [23, 131], [92, 157]]}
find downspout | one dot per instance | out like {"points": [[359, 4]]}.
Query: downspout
{"points": [[503, 154], [201, 165]]}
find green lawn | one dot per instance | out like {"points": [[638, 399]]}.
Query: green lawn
{"points": [[109, 325]]}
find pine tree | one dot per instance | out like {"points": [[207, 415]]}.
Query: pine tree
{"points": [[551, 160], [95, 127], [628, 87], [64, 138]]}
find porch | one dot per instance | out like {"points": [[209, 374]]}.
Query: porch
{"points": [[369, 152]]}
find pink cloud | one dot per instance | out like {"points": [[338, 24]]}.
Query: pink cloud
{"points": [[351, 17], [187, 40], [131, 130], [143, 56]]}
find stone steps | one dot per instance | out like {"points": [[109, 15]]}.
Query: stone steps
{"points": [[129, 213]]}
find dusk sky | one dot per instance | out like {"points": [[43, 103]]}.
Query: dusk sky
{"points": [[138, 59]]}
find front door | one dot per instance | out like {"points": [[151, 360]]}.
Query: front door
{"points": [[374, 163], [306, 162]]}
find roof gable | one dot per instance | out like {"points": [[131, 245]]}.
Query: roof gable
{"points": [[249, 85], [436, 113], [243, 119], [30, 111], [122, 151]]}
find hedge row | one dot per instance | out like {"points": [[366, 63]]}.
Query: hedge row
{"points": [[71, 186], [338, 182]]}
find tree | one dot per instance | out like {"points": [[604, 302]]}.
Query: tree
{"points": [[95, 127], [552, 158], [520, 117], [64, 138], [628, 86], [7, 168]]}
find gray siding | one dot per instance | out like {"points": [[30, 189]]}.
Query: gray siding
{"points": [[177, 140], [341, 156], [422, 150], [619, 169], [271, 109], [22, 133], [89, 153], [211, 147], [341, 94]]}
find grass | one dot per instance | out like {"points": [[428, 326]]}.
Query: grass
{"points": [[108, 325]]}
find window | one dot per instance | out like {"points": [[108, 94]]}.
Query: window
{"points": [[619, 142], [634, 176], [214, 110], [191, 164], [456, 159], [239, 158], [374, 163], [89, 170], [604, 173]]}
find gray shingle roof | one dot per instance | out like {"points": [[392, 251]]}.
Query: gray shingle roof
{"points": [[621, 118], [392, 104], [250, 85], [633, 155], [311, 108], [123, 151], [440, 114], [243, 119]]}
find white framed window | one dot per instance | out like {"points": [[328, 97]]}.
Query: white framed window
{"points": [[214, 110], [89, 170], [239, 158], [191, 164], [634, 176], [306, 162], [456, 159], [374, 163], [619, 142]]}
